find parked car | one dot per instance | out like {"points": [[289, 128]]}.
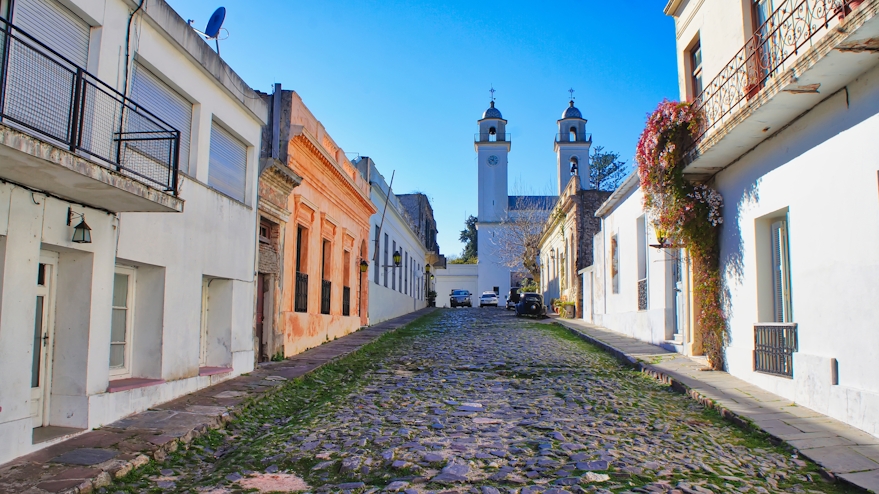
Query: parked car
{"points": [[488, 298], [512, 298], [530, 304], [460, 298]]}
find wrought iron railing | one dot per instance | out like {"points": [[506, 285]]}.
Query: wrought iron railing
{"points": [[346, 300], [774, 346], [325, 290], [300, 297], [585, 137], [642, 294], [488, 137], [43, 93], [770, 49]]}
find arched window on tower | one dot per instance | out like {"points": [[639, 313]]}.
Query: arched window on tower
{"points": [[572, 134], [575, 165], [492, 134]]}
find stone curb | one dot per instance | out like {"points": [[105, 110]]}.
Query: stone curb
{"points": [[123, 468], [678, 386]]}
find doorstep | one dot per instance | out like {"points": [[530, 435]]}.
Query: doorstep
{"points": [[50, 432], [132, 383], [213, 371]]}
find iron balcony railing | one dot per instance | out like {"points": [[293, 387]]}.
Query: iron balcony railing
{"points": [[43, 93], [585, 137], [481, 137], [774, 347], [642, 294], [346, 301], [325, 289], [773, 46], [300, 298]]}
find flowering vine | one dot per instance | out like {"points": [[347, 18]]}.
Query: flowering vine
{"points": [[684, 213]]}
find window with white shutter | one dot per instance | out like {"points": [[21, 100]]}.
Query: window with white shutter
{"points": [[781, 272], [55, 26], [158, 98], [227, 171]]}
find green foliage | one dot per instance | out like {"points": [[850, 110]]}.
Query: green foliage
{"points": [[529, 286], [468, 236], [606, 170], [461, 260]]}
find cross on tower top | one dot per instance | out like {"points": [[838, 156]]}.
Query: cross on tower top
{"points": [[572, 93], [492, 91]]}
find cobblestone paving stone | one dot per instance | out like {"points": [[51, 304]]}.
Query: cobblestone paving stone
{"points": [[476, 400]]}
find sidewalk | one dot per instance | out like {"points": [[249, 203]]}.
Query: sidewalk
{"points": [[89, 461], [842, 450]]}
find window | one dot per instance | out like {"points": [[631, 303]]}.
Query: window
{"points": [[781, 272], [167, 104], [696, 69], [265, 232], [326, 257], [300, 293], [394, 274], [386, 260], [572, 134], [615, 264], [405, 287], [121, 322], [641, 235], [227, 171], [375, 260]]}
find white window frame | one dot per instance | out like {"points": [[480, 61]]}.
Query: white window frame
{"points": [[781, 284], [124, 371]]}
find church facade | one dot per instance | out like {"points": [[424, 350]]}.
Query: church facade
{"points": [[503, 220]]}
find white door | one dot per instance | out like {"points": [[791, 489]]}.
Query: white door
{"points": [[203, 343], [41, 365], [677, 281], [122, 322]]}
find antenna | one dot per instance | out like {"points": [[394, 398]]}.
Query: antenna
{"points": [[215, 23]]}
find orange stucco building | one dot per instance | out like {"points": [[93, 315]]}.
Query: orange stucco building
{"points": [[323, 292]]}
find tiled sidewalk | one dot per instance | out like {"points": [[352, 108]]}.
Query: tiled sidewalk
{"points": [[90, 460], [842, 450]]}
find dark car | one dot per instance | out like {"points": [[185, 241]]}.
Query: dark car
{"points": [[512, 298], [530, 304], [460, 298]]}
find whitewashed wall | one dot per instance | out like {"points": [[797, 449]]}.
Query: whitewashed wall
{"points": [[456, 277]]}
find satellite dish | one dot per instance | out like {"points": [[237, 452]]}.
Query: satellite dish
{"points": [[215, 23]]}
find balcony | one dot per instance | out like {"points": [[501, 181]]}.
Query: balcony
{"points": [[326, 288], [569, 137], [806, 51], [300, 297], [67, 133], [480, 137]]}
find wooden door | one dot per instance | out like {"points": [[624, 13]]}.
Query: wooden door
{"points": [[41, 363]]}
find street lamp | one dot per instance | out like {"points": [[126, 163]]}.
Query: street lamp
{"points": [[82, 234], [364, 266], [398, 258]]}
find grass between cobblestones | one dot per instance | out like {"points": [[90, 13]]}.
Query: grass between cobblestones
{"points": [[258, 437]]}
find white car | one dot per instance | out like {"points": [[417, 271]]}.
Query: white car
{"points": [[488, 298]]}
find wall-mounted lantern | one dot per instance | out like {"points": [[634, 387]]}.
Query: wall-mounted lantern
{"points": [[364, 266], [427, 268], [398, 258], [82, 234]]}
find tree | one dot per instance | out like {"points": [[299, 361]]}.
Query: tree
{"points": [[516, 239], [606, 170], [468, 236]]}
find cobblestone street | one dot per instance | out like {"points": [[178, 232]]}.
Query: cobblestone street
{"points": [[477, 400]]}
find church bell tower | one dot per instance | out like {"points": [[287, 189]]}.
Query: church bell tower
{"points": [[492, 145], [572, 145]]}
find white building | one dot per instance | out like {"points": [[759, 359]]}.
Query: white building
{"points": [[791, 102], [395, 289], [160, 302], [634, 287]]}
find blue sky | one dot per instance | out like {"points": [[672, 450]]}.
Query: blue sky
{"points": [[404, 82]]}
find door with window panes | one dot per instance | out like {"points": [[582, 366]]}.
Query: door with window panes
{"points": [[121, 327], [44, 326]]}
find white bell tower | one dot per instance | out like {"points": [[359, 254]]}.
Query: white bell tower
{"points": [[492, 145], [572, 145]]}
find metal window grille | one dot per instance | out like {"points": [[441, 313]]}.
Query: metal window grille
{"points": [[642, 294], [346, 301], [44, 93], [300, 299], [325, 289], [774, 346]]}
